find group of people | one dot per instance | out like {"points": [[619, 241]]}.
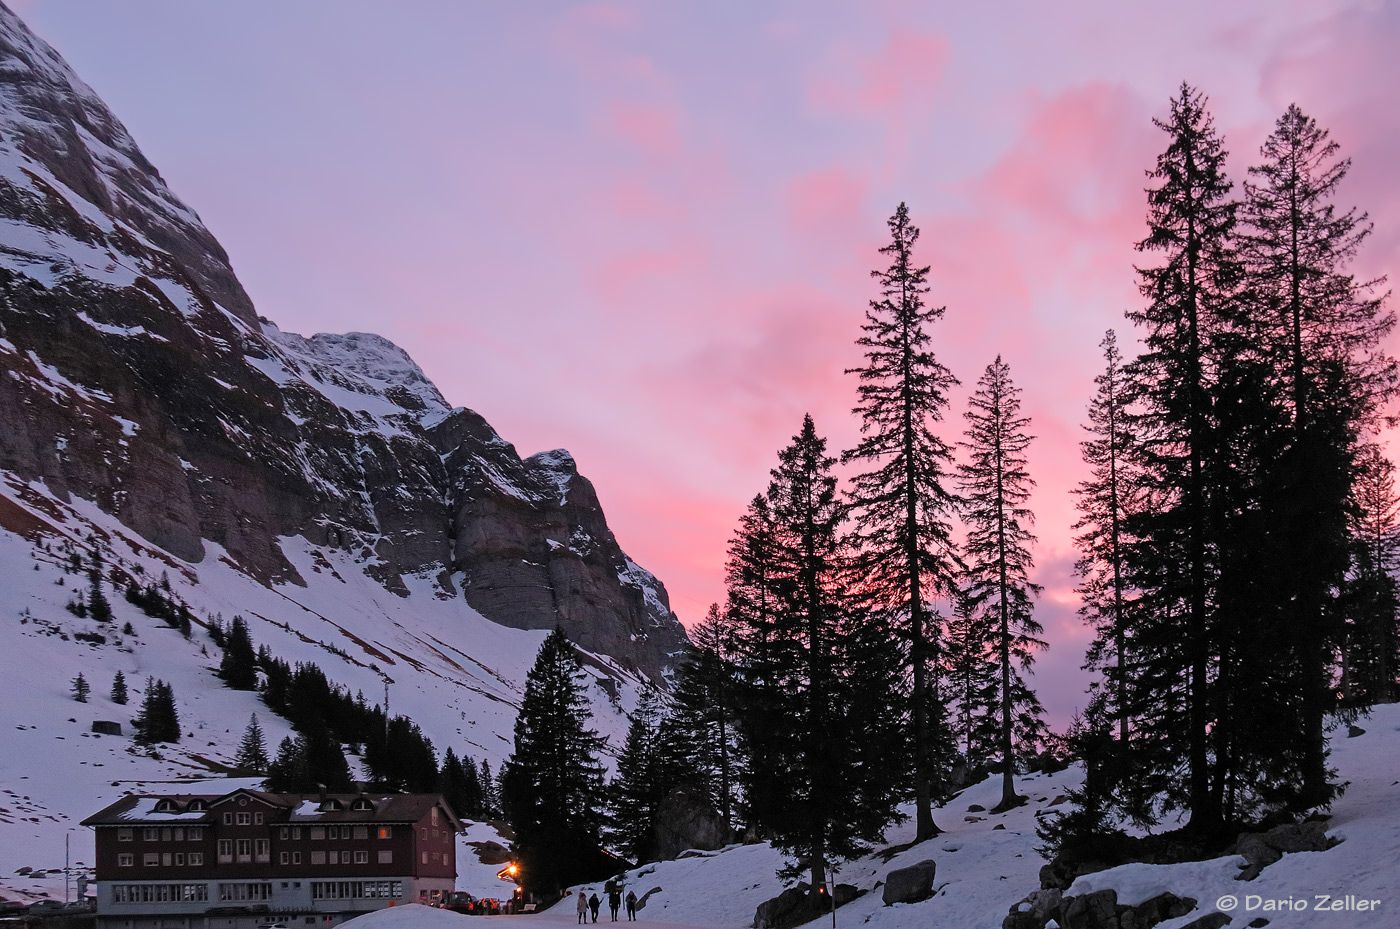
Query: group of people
{"points": [[592, 904]]}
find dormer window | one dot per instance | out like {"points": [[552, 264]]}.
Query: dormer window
{"points": [[198, 806], [362, 804], [167, 806], [331, 805]]}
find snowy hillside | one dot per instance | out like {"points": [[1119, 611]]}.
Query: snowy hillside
{"points": [[451, 670], [987, 863]]}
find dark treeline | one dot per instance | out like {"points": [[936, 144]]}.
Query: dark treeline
{"points": [[326, 717], [1238, 536]]}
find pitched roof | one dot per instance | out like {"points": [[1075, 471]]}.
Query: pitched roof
{"points": [[140, 809]]}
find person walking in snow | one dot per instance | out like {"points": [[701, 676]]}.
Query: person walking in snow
{"points": [[593, 904], [631, 906], [614, 901], [582, 906]]}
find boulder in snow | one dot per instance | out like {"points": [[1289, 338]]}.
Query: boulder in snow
{"points": [[911, 884]]}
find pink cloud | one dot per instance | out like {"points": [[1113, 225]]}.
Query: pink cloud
{"points": [[652, 129], [903, 74]]}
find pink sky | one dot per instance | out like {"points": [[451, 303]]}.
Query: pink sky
{"points": [[643, 232]]}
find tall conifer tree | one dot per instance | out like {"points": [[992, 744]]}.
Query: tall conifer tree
{"points": [[1189, 293], [903, 503], [996, 485], [1321, 330], [1104, 501], [554, 781]]}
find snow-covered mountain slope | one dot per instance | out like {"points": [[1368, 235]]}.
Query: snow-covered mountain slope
{"points": [[139, 378], [454, 672], [319, 486], [987, 863]]}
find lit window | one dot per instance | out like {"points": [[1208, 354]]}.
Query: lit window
{"points": [[386, 832]]}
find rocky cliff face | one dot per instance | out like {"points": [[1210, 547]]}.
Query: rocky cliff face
{"points": [[135, 373]]}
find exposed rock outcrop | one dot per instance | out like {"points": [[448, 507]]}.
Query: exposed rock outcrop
{"points": [[137, 375]]}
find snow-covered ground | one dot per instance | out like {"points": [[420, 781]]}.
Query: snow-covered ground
{"points": [[984, 870], [457, 674]]}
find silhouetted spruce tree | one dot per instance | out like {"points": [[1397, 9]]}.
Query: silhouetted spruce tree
{"points": [[404, 760], [252, 750], [471, 789], [903, 503], [238, 667], [157, 720], [1104, 500], [1190, 293], [81, 688], [839, 704], [553, 781], [98, 606], [698, 737], [119, 693], [1321, 329], [996, 485], [288, 772], [761, 703], [492, 803], [970, 673], [452, 784], [638, 788], [1371, 605]]}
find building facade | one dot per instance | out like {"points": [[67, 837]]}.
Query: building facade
{"points": [[250, 858]]}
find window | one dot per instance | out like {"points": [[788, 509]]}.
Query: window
{"points": [[386, 832], [362, 858], [318, 833], [244, 819], [150, 860], [165, 835], [257, 819], [284, 833], [284, 858], [225, 851], [179, 834], [166, 859], [126, 860], [245, 850], [228, 819], [355, 890], [362, 803], [239, 892], [159, 893], [318, 857], [194, 833], [198, 806], [167, 806], [386, 856], [260, 851], [425, 857], [150, 834], [179, 859], [435, 812], [125, 834], [361, 832], [296, 859], [196, 859], [332, 832], [334, 858], [296, 833]]}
